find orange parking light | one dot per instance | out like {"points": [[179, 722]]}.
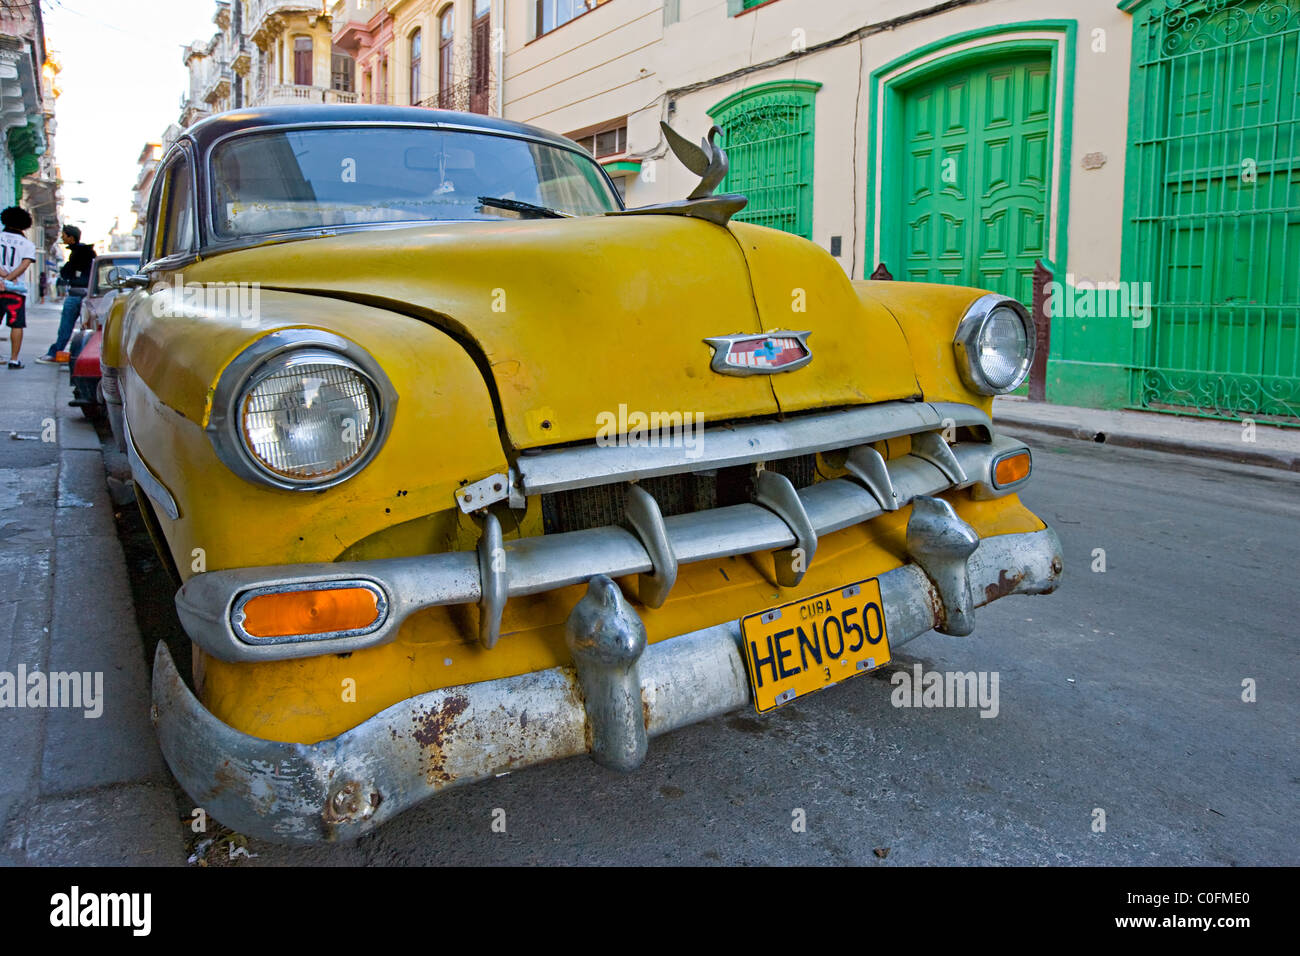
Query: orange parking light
{"points": [[292, 613], [1011, 469]]}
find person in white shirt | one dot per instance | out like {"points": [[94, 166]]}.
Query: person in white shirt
{"points": [[17, 253]]}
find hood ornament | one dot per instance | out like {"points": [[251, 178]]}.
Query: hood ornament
{"points": [[709, 162], [765, 354]]}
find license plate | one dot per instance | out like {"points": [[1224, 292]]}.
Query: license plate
{"points": [[806, 645]]}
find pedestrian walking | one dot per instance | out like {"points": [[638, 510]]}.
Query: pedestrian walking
{"points": [[81, 259], [17, 253], [43, 286]]}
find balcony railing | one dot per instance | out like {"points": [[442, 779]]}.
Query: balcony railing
{"points": [[286, 93]]}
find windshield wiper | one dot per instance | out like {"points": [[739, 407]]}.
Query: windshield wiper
{"points": [[518, 205]]}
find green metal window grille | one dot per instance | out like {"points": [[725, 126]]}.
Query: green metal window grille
{"points": [[767, 132], [1213, 207]]}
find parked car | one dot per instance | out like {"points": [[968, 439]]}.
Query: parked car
{"points": [[84, 345], [463, 466]]}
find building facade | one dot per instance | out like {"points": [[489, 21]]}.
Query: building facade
{"points": [[28, 91], [1133, 168], [443, 54], [1145, 157]]}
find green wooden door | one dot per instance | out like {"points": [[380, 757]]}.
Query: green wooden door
{"points": [[1214, 207], [975, 163]]}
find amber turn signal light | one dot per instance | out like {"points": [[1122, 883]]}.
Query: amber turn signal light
{"points": [[294, 613], [1011, 469]]}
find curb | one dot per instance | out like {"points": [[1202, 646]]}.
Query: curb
{"points": [[1267, 459]]}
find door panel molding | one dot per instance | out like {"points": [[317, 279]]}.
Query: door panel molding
{"points": [[886, 122]]}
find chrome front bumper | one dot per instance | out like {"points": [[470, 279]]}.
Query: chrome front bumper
{"points": [[782, 520], [619, 693]]}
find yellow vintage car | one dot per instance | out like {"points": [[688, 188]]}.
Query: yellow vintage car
{"points": [[462, 466]]}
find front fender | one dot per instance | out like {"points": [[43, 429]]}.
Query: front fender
{"points": [[176, 346]]}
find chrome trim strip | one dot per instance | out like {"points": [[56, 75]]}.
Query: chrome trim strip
{"points": [[546, 562], [339, 789], [146, 479], [562, 469]]}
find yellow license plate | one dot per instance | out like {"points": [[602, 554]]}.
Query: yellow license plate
{"points": [[803, 646]]}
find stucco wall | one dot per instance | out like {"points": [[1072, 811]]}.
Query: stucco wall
{"points": [[624, 59]]}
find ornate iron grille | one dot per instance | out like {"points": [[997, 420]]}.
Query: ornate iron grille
{"points": [[1214, 207]]}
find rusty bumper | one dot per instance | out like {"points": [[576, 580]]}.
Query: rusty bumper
{"points": [[619, 693]]}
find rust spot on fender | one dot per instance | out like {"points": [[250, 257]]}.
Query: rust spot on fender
{"points": [[432, 730], [1007, 584]]}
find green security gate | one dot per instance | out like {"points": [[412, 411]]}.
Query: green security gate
{"points": [[974, 166], [1213, 207], [767, 131]]}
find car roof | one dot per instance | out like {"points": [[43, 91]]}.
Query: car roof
{"points": [[207, 131]]}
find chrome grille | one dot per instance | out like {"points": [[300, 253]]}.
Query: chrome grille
{"points": [[600, 506]]}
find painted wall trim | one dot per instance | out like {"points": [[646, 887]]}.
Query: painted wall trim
{"points": [[1056, 37], [798, 86]]}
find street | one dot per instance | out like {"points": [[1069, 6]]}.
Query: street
{"points": [[1122, 693]]}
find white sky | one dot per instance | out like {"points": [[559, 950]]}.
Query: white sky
{"points": [[121, 83]]}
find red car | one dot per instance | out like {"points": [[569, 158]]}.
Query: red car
{"points": [[110, 268]]}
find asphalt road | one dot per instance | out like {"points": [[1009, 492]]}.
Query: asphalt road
{"points": [[1122, 693]]}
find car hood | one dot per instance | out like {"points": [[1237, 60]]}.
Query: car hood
{"points": [[580, 323]]}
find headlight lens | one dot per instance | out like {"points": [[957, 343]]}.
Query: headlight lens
{"points": [[309, 417], [995, 345]]}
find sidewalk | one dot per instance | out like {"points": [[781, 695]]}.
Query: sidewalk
{"points": [[74, 789], [1271, 447]]}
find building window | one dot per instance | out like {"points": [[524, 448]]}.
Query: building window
{"points": [[609, 142], [481, 57], [417, 46], [343, 71], [302, 57], [383, 80], [549, 14], [767, 132], [446, 46]]}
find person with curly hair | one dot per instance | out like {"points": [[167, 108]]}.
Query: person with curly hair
{"points": [[17, 253]]}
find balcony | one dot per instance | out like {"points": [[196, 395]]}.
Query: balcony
{"points": [[291, 94], [217, 86], [262, 13]]}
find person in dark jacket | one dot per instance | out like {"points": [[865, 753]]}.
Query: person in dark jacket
{"points": [[76, 271]]}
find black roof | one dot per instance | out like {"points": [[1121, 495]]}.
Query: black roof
{"points": [[208, 130]]}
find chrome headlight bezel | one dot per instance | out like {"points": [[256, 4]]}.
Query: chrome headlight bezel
{"points": [[273, 353], [966, 343]]}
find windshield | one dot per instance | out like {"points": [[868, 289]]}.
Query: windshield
{"points": [[309, 178]]}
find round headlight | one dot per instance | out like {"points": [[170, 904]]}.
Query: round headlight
{"points": [[300, 409], [995, 345], [309, 417]]}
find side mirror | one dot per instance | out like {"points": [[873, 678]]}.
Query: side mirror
{"points": [[135, 280]]}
